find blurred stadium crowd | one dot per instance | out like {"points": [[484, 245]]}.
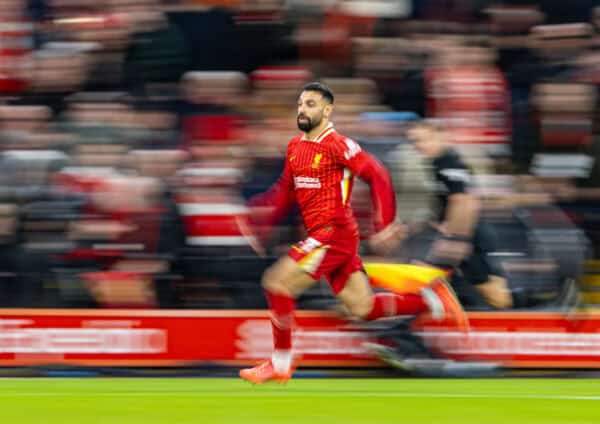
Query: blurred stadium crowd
{"points": [[133, 131]]}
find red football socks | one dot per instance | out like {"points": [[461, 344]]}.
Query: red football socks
{"points": [[391, 305], [282, 317]]}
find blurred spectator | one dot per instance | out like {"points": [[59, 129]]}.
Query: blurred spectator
{"points": [[274, 87], [465, 88], [209, 189], [384, 134], [16, 47], [396, 65], [60, 70], [157, 124], [325, 42], [209, 110], [211, 205], [101, 118], [94, 22], [264, 35], [9, 251], [565, 115], [211, 35], [157, 52]]}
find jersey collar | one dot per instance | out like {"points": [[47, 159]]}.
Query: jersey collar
{"points": [[326, 131]]}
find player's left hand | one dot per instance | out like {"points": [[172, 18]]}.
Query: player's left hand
{"points": [[388, 238], [495, 292], [250, 234]]}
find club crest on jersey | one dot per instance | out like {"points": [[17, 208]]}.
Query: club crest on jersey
{"points": [[317, 160]]}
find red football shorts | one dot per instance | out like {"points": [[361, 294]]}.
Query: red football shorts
{"points": [[335, 260]]}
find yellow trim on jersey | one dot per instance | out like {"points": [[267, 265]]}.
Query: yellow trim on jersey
{"points": [[310, 263], [345, 184], [297, 249]]}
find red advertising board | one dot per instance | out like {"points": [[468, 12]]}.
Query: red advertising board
{"points": [[177, 338]]}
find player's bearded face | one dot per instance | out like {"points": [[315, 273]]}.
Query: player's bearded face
{"points": [[306, 123]]}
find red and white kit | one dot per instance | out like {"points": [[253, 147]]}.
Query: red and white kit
{"points": [[318, 175]]}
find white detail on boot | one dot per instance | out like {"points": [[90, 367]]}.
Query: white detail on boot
{"points": [[436, 307]]}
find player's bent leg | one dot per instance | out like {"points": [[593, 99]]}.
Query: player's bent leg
{"points": [[283, 282], [357, 295], [286, 277], [362, 303], [438, 298]]}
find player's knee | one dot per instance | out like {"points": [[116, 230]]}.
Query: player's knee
{"points": [[360, 309], [269, 280]]}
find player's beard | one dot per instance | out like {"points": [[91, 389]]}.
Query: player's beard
{"points": [[309, 124]]}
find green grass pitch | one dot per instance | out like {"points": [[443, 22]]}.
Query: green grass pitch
{"points": [[313, 401]]}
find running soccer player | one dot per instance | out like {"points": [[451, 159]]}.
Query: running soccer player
{"points": [[463, 241], [318, 176]]}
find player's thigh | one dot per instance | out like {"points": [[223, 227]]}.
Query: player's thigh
{"points": [[357, 295], [287, 277]]}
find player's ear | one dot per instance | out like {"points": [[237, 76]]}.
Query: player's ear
{"points": [[328, 110]]}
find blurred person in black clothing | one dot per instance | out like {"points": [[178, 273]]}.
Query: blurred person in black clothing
{"points": [[158, 50], [461, 241]]}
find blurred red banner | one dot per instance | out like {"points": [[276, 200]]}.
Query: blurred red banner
{"points": [[187, 338]]}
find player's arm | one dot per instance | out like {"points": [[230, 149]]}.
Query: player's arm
{"points": [[274, 204], [462, 215], [383, 198], [370, 170], [266, 210], [463, 208], [460, 219]]}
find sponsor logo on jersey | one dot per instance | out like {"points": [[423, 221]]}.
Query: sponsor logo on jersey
{"points": [[307, 182], [309, 244], [353, 149]]}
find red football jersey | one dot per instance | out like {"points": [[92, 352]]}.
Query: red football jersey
{"points": [[319, 175]]}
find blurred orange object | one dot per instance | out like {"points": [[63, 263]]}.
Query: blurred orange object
{"points": [[402, 278]]}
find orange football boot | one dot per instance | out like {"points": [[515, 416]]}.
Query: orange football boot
{"points": [[265, 372], [442, 302]]}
